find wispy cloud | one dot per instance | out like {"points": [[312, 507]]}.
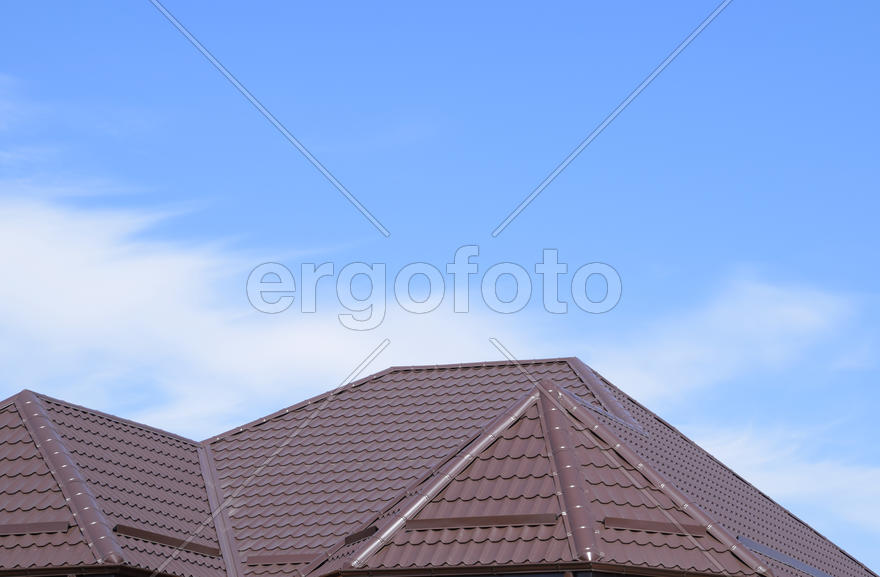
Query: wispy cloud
{"points": [[95, 313], [748, 326], [830, 493]]}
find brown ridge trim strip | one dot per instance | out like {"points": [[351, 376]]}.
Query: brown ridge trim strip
{"points": [[691, 442], [319, 560], [85, 508], [310, 401], [655, 526], [560, 502], [593, 382], [225, 535], [34, 528], [574, 491], [162, 539], [586, 418], [375, 376], [283, 559], [471, 522], [446, 474]]}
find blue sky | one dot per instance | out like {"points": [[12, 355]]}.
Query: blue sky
{"points": [[736, 197]]}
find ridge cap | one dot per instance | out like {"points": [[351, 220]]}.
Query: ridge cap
{"points": [[593, 381], [570, 484], [569, 402], [415, 498], [88, 514], [478, 364], [297, 406], [730, 470]]}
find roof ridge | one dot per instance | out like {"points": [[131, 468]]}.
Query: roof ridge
{"points": [[322, 557], [299, 405], [569, 402], [86, 511], [575, 509], [123, 420], [396, 369], [613, 407], [425, 491], [477, 364], [699, 447]]}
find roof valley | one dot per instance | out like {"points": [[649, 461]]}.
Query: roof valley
{"points": [[85, 508], [222, 525], [413, 470]]}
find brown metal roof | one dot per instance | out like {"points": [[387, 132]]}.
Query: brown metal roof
{"points": [[540, 466]]}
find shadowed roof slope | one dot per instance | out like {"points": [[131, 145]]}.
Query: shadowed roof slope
{"points": [[538, 466]]}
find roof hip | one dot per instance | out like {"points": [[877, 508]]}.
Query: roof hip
{"points": [[95, 527], [576, 409], [578, 517], [446, 474]]}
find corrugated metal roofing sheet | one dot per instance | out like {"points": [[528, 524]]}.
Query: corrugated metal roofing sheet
{"points": [[314, 504]]}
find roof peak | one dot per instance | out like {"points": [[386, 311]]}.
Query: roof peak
{"points": [[478, 364], [558, 421], [581, 369]]}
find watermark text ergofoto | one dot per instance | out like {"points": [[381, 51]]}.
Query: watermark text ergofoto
{"points": [[363, 291]]}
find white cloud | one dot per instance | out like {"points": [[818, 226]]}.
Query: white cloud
{"points": [[161, 332], [839, 498], [749, 326], [94, 313]]}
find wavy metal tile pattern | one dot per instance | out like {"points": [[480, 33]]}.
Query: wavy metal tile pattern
{"points": [[30, 494], [496, 484], [371, 444], [726, 497], [360, 451], [145, 478]]}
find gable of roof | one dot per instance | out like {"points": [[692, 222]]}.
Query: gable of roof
{"points": [[308, 492]]}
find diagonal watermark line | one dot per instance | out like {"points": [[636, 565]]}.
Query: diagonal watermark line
{"points": [[609, 453], [504, 351], [609, 119], [228, 501], [270, 117]]}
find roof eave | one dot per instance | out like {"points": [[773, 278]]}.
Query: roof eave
{"points": [[596, 569], [68, 570]]}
